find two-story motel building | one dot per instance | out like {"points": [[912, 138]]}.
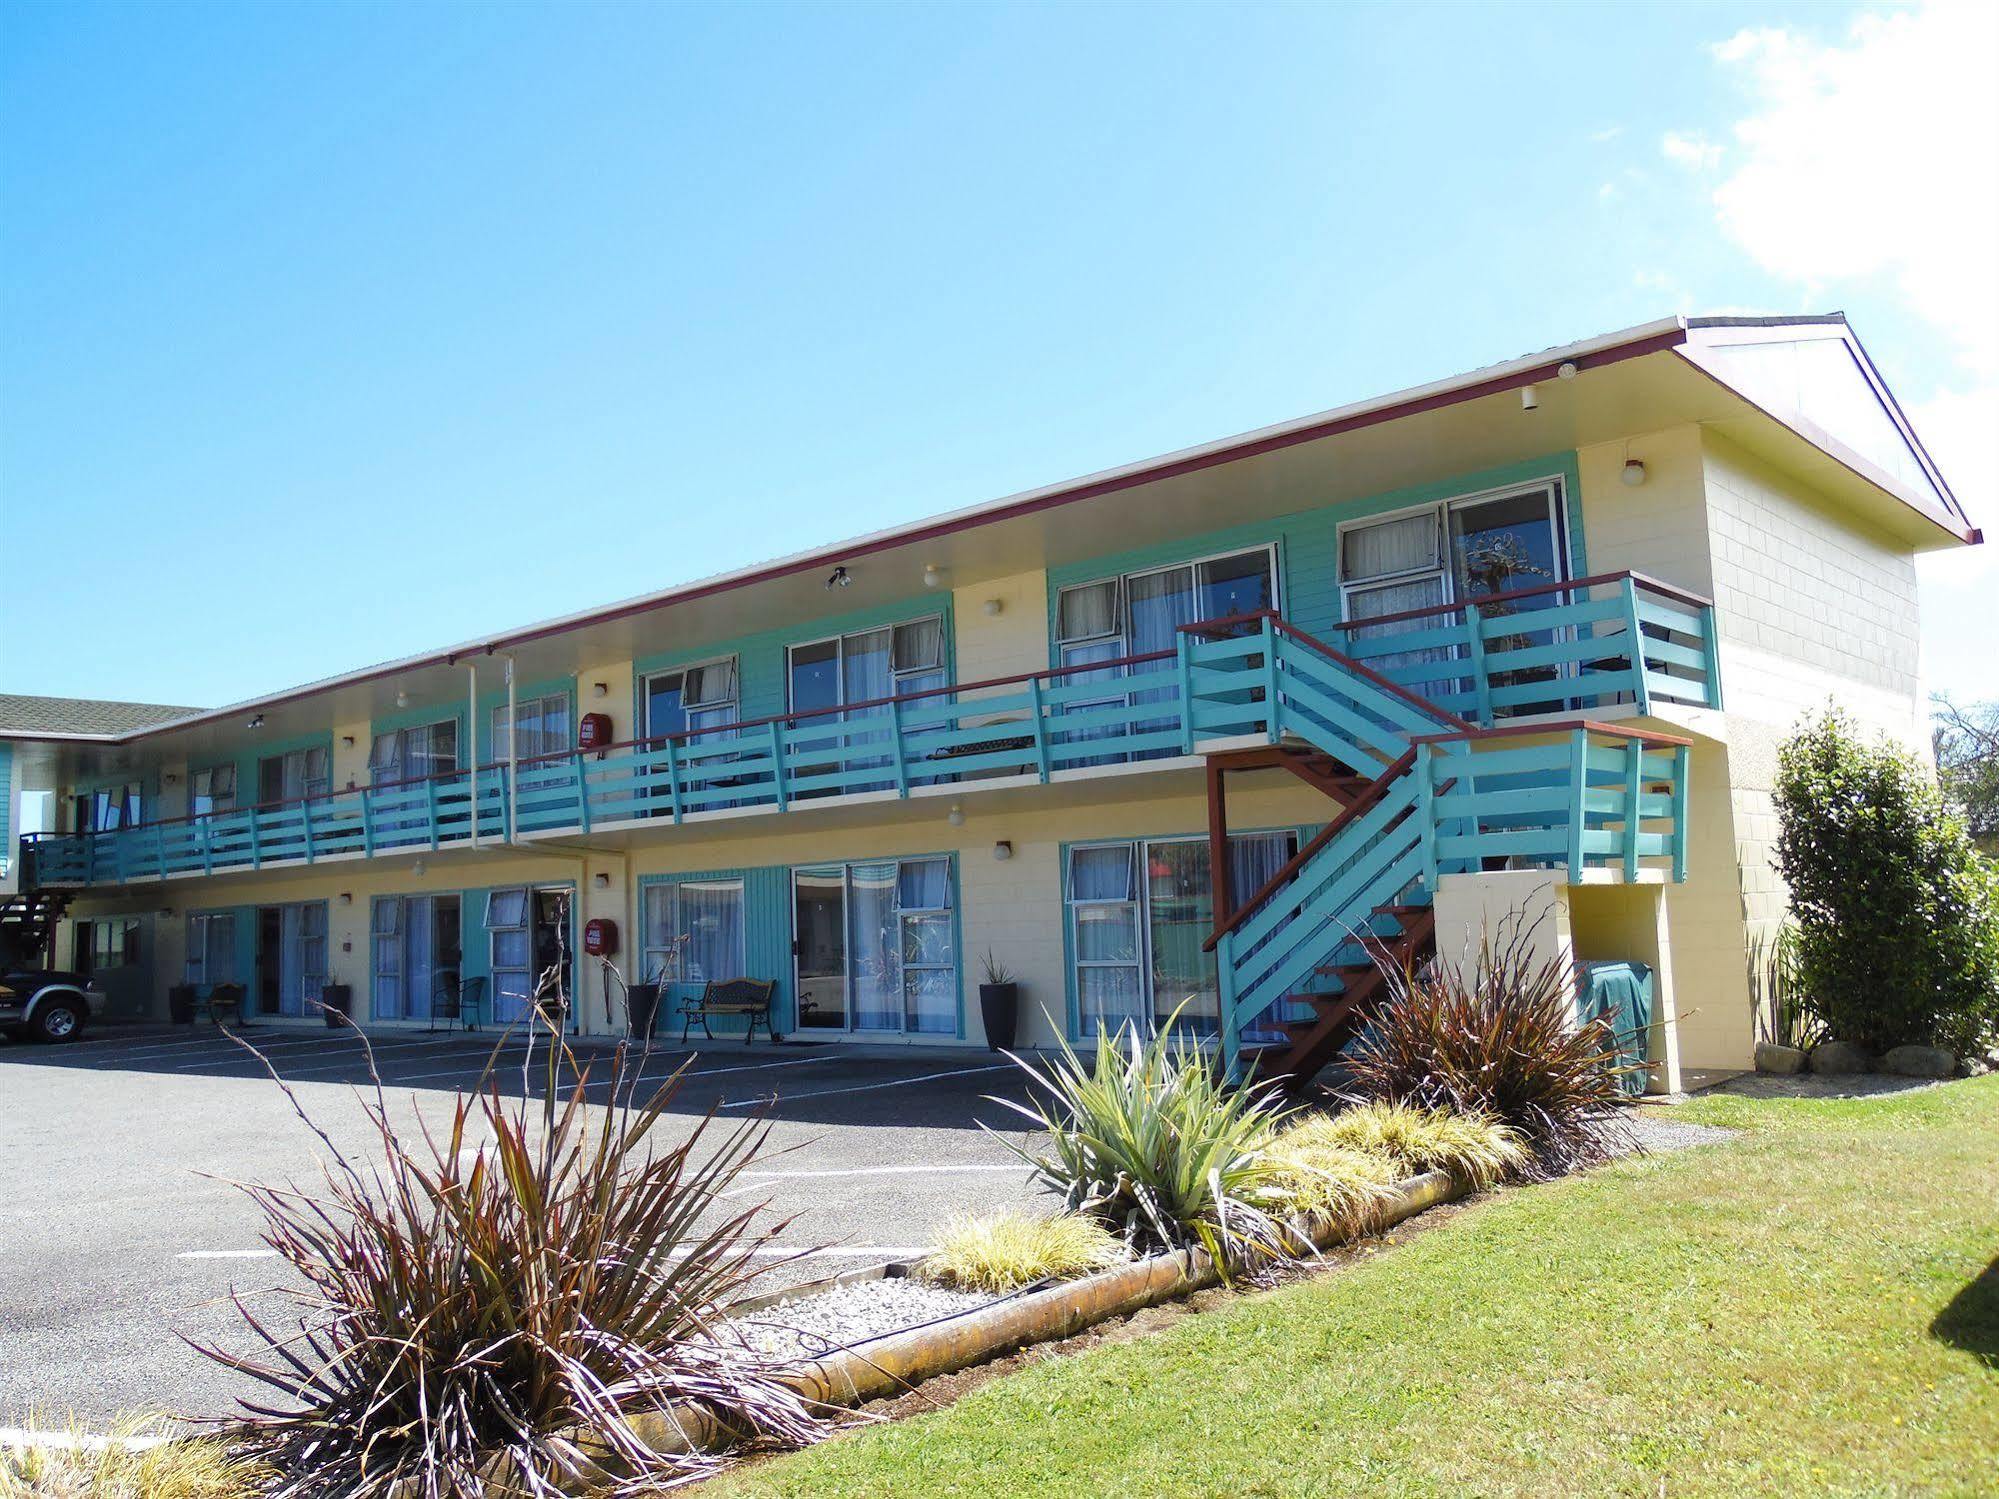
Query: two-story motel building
{"points": [[1523, 639]]}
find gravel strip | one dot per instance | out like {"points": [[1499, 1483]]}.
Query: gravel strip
{"points": [[845, 1315], [1657, 1134]]}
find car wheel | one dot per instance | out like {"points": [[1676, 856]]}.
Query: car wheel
{"points": [[57, 1021]]}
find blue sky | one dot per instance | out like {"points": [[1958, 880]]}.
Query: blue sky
{"points": [[510, 311]]}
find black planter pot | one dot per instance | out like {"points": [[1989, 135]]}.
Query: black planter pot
{"points": [[180, 1004], [339, 1002], [642, 1004], [999, 1005]]}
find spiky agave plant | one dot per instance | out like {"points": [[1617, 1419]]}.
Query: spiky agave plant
{"points": [[1496, 1034], [492, 1318], [1148, 1138]]}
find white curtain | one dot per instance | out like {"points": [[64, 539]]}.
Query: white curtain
{"points": [[924, 885], [873, 949], [919, 645], [420, 955], [387, 933], [1087, 611], [1100, 873], [711, 918], [1406, 545]]}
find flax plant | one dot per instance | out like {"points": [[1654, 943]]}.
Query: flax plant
{"points": [[499, 1318], [1148, 1139]]}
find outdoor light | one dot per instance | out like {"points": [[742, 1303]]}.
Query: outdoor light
{"points": [[166, 912], [838, 578], [1634, 473], [956, 816], [600, 689], [603, 882], [1003, 850], [994, 607], [257, 721], [172, 779], [1567, 370], [417, 869], [347, 897], [931, 577], [1529, 401], [347, 741], [402, 699]]}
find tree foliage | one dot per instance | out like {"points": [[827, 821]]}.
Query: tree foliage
{"points": [[1966, 738], [1897, 914]]}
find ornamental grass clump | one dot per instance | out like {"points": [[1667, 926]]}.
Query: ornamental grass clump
{"points": [[1148, 1139], [1496, 1037], [491, 1307], [137, 1460], [1329, 1180], [1001, 1252], [1473, 1148]]}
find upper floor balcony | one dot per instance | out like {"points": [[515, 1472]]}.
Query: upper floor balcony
{"points": [[1613, 645]]}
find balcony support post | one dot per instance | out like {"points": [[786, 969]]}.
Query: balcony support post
{"points": [[1679, 814], [1634, 792], [777, 762], [1641, 689], [1578, 800], [1481, 677], [1039, 712]]}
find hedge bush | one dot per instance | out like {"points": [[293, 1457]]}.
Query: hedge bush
{"points": [[1897, 914]]}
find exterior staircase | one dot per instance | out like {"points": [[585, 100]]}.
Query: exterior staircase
{"points": [[27, 926], [1420, 793]]}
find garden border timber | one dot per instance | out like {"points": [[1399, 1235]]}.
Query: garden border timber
{"points": [[895, 1362]]}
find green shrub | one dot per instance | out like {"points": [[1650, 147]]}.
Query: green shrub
{"points": [[1007, 1250], [1897, 915], [1497, 1038], [460, 1310], [1783, 1007], [1471, 1147], [1149, 1139]]}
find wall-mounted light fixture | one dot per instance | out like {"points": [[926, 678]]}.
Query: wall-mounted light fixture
{"points": [[256, 721], [602, 881], [1566, 370], [417, 869], [956, 816], [1634, 473], [931, 577], [166, 913], [171, 778], [1003, 850], [347, 741], [402, 699], [1529, 400], [600, 689], [347, 897], [995, 607], [839, 577]]}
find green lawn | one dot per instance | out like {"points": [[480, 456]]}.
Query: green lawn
{"points": [[1813, 1307]]}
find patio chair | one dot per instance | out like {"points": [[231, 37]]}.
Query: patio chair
{"points": [[225, 1002], [455, 999]]}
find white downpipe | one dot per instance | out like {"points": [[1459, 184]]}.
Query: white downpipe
{"points": [[472, 740], [513, 750]]}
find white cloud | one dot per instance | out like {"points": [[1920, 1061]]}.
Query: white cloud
{"points": [[1876, 157], [1690, 149], [1607, 134]]}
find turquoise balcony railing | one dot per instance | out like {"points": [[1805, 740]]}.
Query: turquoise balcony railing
{"points": [[1599, 642]]}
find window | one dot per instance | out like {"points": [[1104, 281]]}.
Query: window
{"points": [[211, 949], [691, 698], [867, 665], [414, 753], [694, 932], [511, 950], [212, 790], [1138, 914], [416, 943], [1143, 612], [1450, 553], [296, 775], [542, 724], [929, 946], [106, 944], [109, 808]]}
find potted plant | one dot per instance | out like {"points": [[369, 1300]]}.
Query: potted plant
{"points": [[999, 1003], [336, 1003], [180, 1004]]}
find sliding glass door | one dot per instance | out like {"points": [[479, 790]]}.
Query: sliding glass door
{"points": [[416, 942], [876, 947]]}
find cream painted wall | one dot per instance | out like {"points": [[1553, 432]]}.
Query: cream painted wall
{"points": [[1008, 643]]}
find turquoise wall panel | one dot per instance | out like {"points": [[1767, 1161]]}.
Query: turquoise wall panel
{"points": [[548, 687], [7, 805], [1308, 542], [762, 660]]}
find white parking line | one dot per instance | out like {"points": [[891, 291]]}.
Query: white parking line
{"points": [[217, 1043], [900, 1082], [753, 1180], [354, 1055], [227, 1254]]}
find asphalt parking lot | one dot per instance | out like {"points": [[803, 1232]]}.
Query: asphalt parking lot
{"points": [[119, 1228]]}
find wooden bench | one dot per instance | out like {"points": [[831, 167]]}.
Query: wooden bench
{"points": [[751, 997]]}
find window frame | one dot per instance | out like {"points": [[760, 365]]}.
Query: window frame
{"points": [[898, 676], [1553, 486], [1123, 581], [673, 953], [733, 702], [204, 922]]}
